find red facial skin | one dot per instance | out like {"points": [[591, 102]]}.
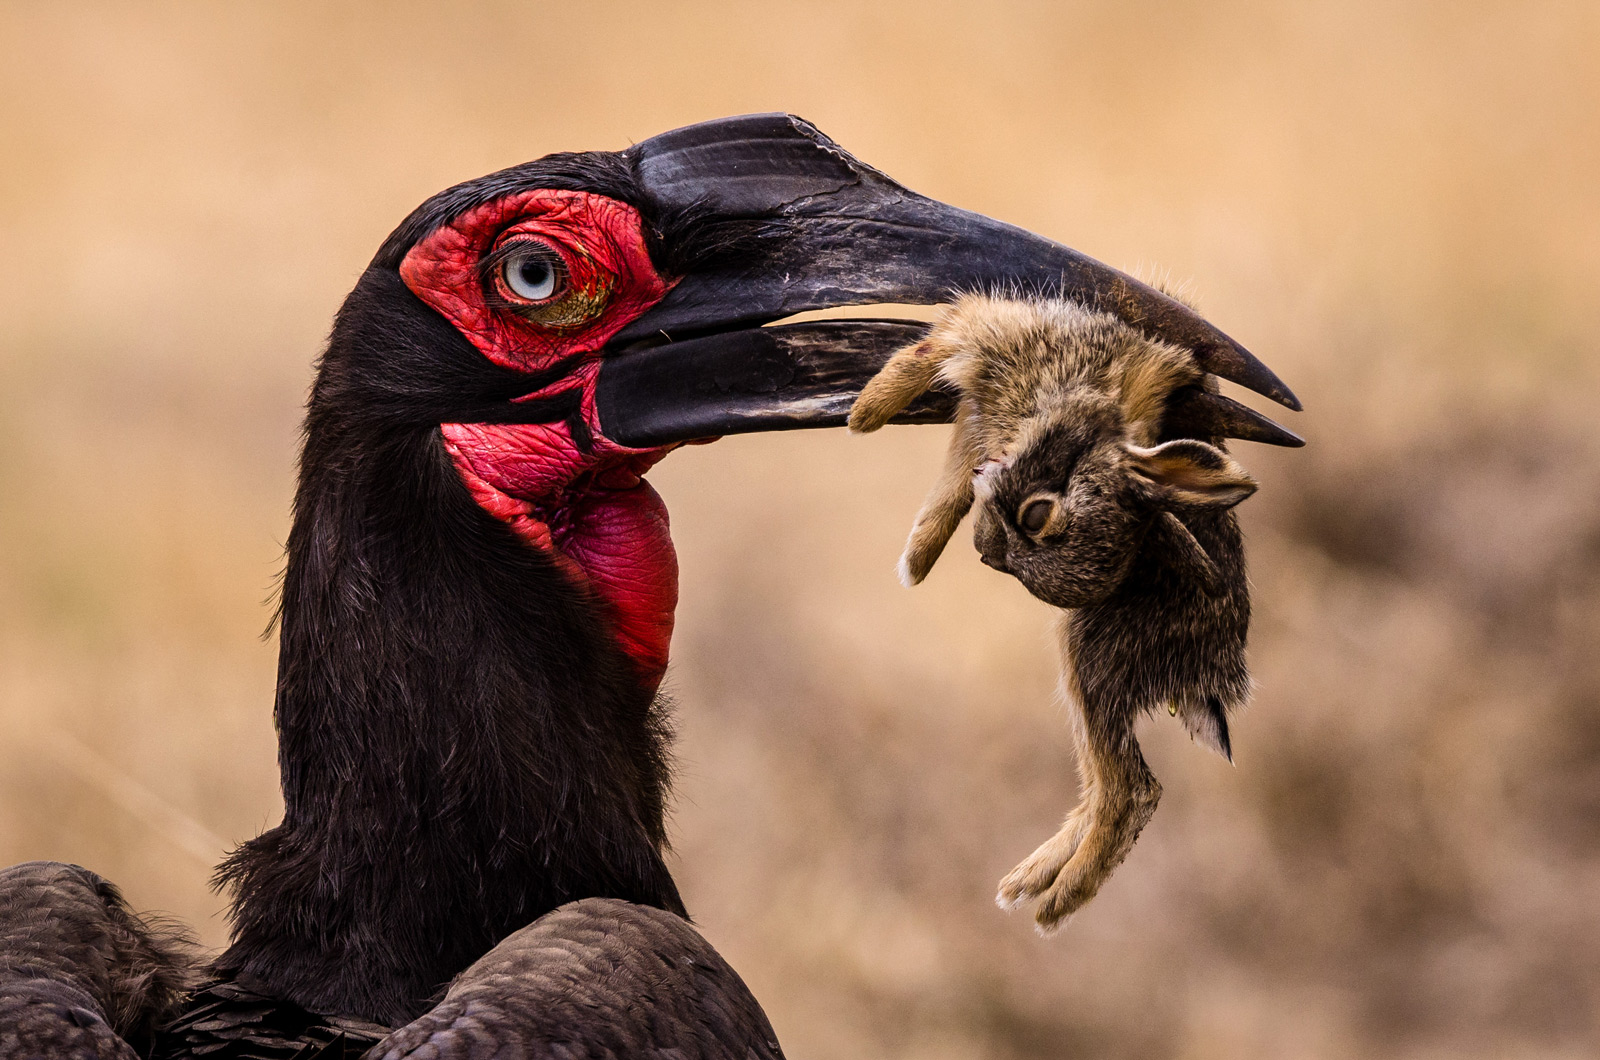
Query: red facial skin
{"points": [[590, 512]]}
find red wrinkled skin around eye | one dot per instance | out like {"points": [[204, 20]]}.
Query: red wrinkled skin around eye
{"points": [[589, 511], [601, 240]]}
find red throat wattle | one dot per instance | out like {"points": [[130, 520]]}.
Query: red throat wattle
{"points": [[580, 500]]}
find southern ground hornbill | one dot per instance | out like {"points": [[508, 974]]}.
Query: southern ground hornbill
{"points": [[479, 598]]}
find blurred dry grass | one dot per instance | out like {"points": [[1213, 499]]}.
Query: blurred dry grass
{"points": [[1395, 204]]}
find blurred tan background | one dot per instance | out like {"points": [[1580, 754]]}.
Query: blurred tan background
{"points": [[1396, 205]]}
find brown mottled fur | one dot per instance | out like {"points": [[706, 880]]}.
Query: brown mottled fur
{"points": [[1059, 441]]}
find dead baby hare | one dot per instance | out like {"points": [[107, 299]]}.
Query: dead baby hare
{"points": [[1093, 454]]}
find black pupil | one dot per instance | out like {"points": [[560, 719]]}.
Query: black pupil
{"points": [[1035, 515], [533, 271]]}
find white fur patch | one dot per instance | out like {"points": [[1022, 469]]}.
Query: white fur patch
{"points": [[983, 479], [1205, 729], [903, 570]]}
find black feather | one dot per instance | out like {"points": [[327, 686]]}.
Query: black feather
{"points": [[80, 974], [593, 979]]}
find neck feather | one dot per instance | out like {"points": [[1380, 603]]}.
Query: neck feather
{"points": [[462, 745]]}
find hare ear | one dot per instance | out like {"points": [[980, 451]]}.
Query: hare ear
{"points": [[1188, 555], [1186, 473]]}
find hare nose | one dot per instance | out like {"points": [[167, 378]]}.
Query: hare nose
{"points": [[997, 562]]}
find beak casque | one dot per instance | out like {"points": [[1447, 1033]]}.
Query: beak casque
{"points": [[839, 233]]}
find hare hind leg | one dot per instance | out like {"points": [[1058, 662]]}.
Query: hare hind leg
{"points": [[1119, 797]]}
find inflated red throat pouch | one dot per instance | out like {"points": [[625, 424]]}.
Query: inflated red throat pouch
{"points": [[563, 488]]}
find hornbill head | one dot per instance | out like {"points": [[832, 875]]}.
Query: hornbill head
{"points": [[573, 319]]}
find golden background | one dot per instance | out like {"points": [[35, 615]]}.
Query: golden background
{"points": [[1395, 205]]}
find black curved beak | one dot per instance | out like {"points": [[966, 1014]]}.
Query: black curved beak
{"points": [[831, 232]]}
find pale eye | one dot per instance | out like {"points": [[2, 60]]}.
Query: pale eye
{"points": [[534, 274], [1035, 515]]}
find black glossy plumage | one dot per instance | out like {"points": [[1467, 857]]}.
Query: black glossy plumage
{"points": [[82, 977], [597, 979], [594, 980], [225, 1020]]}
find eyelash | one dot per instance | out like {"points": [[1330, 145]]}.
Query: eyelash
{"points": [[491, 269], [568, 308]]}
